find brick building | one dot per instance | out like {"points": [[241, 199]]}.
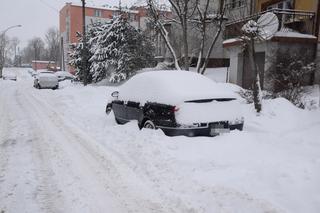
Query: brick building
{"points": [[39, 65]]}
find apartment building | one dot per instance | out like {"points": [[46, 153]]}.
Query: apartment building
{"points": [[70, 22], [297, 33]]}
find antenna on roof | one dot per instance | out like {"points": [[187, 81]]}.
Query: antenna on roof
{"points": [[268, 24], [264, 29]]}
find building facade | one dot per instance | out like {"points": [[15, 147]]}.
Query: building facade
{"points": [[40, 65], [297, 33]]}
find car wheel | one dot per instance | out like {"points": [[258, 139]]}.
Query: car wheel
{"points": [[149, 124]]}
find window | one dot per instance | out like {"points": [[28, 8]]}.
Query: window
{"points": [[97, 13], [235, 4], [287, 4]]}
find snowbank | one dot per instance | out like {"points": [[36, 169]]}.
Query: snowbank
{"points": [[271, 166]]}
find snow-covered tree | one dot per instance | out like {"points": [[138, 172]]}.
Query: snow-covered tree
{"points": [[119, 50], [76, 60], [76, 51], [99, 63]]}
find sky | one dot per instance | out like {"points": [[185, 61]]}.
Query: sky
{"points": [[36, 16]]}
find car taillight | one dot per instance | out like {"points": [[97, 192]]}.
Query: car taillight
{"points": [[175, 109]]}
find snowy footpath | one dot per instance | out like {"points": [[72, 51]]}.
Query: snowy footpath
{"points": [[60, 152]]}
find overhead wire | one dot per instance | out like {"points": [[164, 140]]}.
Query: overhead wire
{"points": [[49, 6]]}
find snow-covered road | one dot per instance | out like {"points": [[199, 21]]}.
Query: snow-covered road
{"points": [[48, 165], [60, 153]]}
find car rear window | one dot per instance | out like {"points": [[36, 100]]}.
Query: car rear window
{"points": [[210, 100]]}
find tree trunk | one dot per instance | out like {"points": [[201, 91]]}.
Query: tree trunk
{"points": [[257, 96], [163, 32], [185, 44], [221, 16], [165, 36], [206, 60], [200, 54]]}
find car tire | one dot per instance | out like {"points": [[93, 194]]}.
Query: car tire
{"points": [[148, 124], [117, 120]]}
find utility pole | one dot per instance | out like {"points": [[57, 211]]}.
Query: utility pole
{"points": [[35, 56], [84, 47]]}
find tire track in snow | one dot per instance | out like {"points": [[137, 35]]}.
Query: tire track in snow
{"points": [[17, 186], [120, 178], [65, 153]]}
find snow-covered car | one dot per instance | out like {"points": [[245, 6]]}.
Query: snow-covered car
{"points": [[33, 73], [63, 75], [177, 102], [46, 80], [10, 76]]}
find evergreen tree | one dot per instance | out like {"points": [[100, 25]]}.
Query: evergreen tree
{"points": [[120, 51], [99, 56], [76, 51]]}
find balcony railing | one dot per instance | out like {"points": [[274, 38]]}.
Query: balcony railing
{"points": [[297, 20]]}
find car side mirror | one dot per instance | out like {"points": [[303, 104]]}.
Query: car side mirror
{"points": [[115, 94]]}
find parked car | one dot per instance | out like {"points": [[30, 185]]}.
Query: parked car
{"points": [[33, 73], [63, 75], [46, 80], [177, 102], [10, 76]]}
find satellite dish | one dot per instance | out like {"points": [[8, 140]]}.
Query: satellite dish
{"points": [[268, 25]]}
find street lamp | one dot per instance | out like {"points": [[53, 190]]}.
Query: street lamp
{"points": [[4, 31], [2, 46]]}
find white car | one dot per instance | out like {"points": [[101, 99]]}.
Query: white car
{"points": [[12, 77], [63, 75], [46, 80]]}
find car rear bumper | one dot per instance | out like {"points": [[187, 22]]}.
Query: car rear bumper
{"points": [[200, 131]]}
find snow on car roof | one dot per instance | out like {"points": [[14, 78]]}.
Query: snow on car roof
{"points": [[171, 87], [63, 73], [47, 75]]}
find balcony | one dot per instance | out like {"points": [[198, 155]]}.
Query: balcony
{"points": [[297, 20]]}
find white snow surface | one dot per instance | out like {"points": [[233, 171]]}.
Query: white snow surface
{"points": [[63, 74], [59, 152], [294, 35], [171, 87]]}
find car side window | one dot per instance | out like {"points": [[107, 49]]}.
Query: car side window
{"points": [[133, 104]]}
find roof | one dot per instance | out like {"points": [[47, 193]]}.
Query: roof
{"points": [[104, 8], [280, 36], [36, 61]]}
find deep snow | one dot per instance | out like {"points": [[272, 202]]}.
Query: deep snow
{"points": [[90, 164]]}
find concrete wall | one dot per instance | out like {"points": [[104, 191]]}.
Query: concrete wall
{"points": [[309, 5], [267, 57], [317, 74], [275, 50]]}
